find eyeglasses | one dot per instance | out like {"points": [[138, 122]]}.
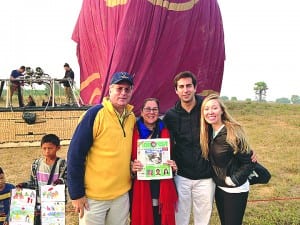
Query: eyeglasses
{"points": [[125, 89], [148, 110]]}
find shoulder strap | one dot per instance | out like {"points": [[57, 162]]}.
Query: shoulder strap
{"points": [[52, 171], [62, 165], [35, 166]]}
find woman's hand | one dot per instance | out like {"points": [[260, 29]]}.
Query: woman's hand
{"points": [[173, 165], [229, 182], [254, 157], [136, 165]]}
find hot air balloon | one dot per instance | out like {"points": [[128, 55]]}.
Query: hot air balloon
{"points": [[152, 39]]}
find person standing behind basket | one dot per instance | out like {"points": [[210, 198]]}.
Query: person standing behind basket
{"points": [[153, 201], [30, 101], [99, 157], [224, 144], [15, 84], [68, 83]]}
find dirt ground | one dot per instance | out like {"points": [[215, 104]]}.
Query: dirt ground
{"points": [[16, 163]]}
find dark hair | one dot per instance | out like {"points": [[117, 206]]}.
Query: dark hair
{"points": [[149, 100], [22, 67], [50, 138], [66, 65], [184, 74], [1, 171]]}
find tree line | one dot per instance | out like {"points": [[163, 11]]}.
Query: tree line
{"points": [[260, 91]]}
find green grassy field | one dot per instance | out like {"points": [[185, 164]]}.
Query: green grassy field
{"points": [[274, 132], [38, 96]]}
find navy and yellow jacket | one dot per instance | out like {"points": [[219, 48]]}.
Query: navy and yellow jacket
{"points": [[5, 196], [99, 154]]}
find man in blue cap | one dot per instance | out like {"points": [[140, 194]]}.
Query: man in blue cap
{"points": [[99, 157]]}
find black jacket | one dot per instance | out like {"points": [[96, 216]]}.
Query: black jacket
{"points": [[184, 128], [224, 163], [68, 74]]}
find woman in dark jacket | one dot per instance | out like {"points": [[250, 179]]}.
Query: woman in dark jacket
{"points": [[224, 144]]}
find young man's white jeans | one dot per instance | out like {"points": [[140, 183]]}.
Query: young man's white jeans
{"points": [[111, 212], [198, 194]]}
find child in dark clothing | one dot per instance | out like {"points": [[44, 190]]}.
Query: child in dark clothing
{"points": [[46, 170], [4, 198]]}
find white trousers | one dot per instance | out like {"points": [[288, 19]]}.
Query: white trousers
{"points": [[196, 194], [110, 212]]}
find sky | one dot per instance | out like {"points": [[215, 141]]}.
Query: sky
{"points": [[261, 41], [38, 33]]}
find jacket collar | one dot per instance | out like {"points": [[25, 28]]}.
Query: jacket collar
{"points": [[179, 108], [107, 104]]}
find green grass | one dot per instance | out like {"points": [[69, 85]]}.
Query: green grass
{"points": [[274, 133]]}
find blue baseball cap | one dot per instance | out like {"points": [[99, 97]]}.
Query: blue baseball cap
{"points": [[121, 76]]}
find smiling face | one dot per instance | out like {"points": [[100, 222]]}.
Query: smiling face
{"points": [[120, 95], [185, 90], [150, 113], [212, 112]]}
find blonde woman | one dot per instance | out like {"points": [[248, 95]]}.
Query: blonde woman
{"points": [[223, 142]]}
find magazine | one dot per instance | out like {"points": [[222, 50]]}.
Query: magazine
{"points": [[22, 206], [153, 154], [53, 204]]}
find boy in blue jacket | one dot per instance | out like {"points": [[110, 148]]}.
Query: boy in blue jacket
{"points": [[5, 194]]}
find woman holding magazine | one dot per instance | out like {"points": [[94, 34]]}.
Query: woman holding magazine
{"points": [[153, 201]]}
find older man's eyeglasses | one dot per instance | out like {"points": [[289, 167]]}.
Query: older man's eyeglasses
{"points": [[125, 89], [148, 110]]}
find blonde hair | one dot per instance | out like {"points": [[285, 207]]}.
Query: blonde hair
{"points": [[236, 136]]}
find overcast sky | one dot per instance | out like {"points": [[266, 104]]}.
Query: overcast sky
{"points": [[38, 33], [261, 40]]}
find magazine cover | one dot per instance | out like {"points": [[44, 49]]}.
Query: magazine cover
{"points": [[22, 206], [53, 205], [153, 154]]}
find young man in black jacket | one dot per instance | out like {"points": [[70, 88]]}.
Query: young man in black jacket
{"points": [[193, 181], [68, 83]]}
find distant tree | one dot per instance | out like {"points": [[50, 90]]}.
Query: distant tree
{"points": [[248, 100], [224, 98], [295, 99], [234, 99], [283, 100], [260, 89]]}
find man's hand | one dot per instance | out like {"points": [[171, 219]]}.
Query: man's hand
{"points": [[80, 205], [173, 165]]}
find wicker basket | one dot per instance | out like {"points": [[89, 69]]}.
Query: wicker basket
{"points": [[14, 129]]}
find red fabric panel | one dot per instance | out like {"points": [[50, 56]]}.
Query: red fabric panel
{"points": [[153, 42]]}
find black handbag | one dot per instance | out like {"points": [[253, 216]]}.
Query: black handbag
{"points": [[29, 117], [260, 175]]}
